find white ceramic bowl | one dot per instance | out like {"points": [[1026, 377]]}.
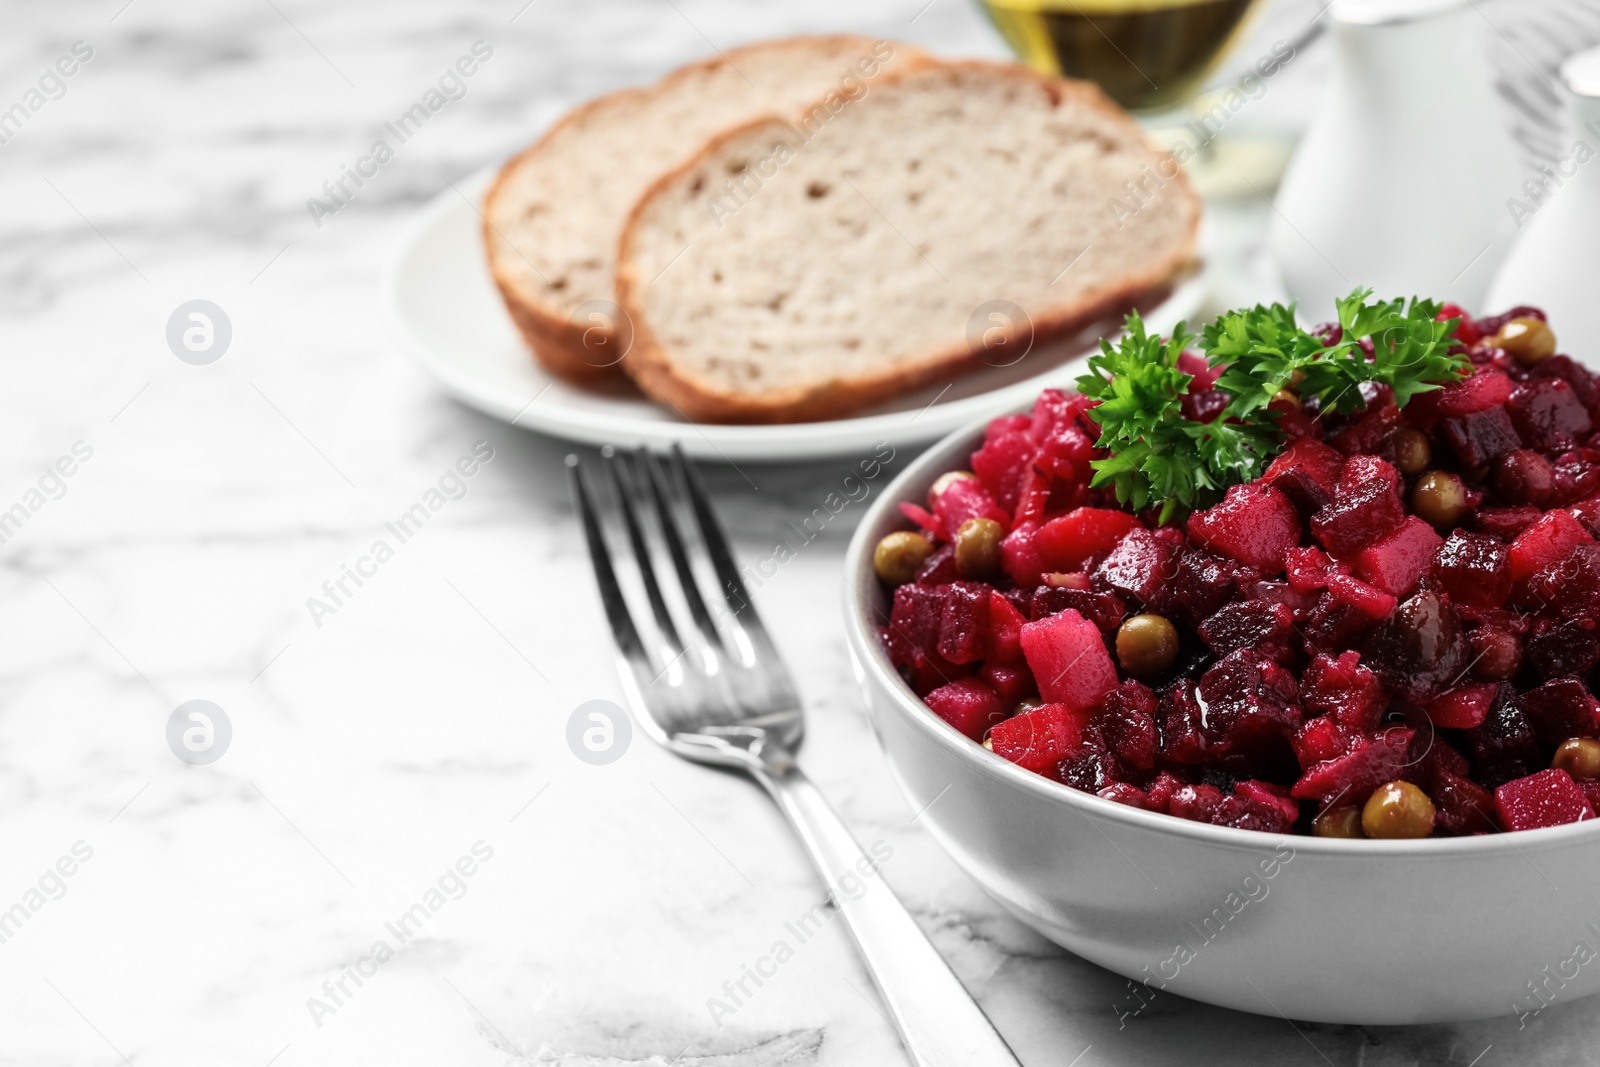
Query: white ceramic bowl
{"points": [[1373, 932]]}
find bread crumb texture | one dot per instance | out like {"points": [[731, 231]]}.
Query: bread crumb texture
{"points": [[852, 245]]}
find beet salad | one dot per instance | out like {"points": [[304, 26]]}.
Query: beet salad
{"points": [[1340, 580]]}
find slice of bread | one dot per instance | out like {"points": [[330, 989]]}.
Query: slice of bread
{"points": [[802, 269], [552, 217]]}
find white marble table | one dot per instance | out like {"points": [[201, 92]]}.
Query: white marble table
{"points": [[216, 914]]}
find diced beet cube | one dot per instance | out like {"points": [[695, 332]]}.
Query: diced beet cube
{"points": [[1573, 373], [1548, 798], [1243, 813], [1254, 524], [1161, 789], [1547, 414], [1432, 755], [1019, 558], [1474, 569], [1575, 476], [1275, 591], [1504, 737], [1245, 699], [917, 615], [1053, 408], [1371, 602], [967, 498], [1292, 420], [1305, 472], [1196, 803], [1332, 625], [1481, 437], [912, 637], [1547, 541], [1352, 777], [1091, 766], [1105, 610], [1397, 563], [1463, 707], [939, 568], [1345, 689], [1011, 682], [1123, 793], [1588, 512], [1569, 587], [1422, 412], [1360, 470], [1069, 660], [1306, 495], [1040, 738], [964, 625], [1560, 709], [1558, 650], [1321, 739], [1003, 465], [1004, 644], [1066, 452], [1204, 583], [1127, 722], [1480, 392], [1359, 515], [1272, 796], [1368, 433], [968, 705], [1178, 725], [1141, 564], [1068, 541], [1256, 624], [1307, 568], [1004, 424], [1206, 803], [1462, 806], [1505, 523], [1319, 462]]}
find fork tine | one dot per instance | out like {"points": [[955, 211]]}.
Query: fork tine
{"points": [[675, 547], [622, 627], [733, 589], [622, 483]]}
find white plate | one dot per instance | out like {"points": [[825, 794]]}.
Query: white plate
{"points": [[438, 297]]}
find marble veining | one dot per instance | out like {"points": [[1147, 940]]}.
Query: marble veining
{"points": [[222, 909]]}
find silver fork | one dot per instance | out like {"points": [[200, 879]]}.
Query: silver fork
{"points": [[728, 700]]}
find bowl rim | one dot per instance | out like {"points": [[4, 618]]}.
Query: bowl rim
{"points": [[861, 634]]}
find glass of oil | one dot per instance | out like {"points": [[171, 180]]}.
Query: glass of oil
{"points": [[1148, 55], [1155, 57]]}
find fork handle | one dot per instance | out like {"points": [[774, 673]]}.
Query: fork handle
{"points": [[939, 1022]]}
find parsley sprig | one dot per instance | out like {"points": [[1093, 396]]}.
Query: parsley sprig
{"points": [[1157, 455], [1160, 458]]}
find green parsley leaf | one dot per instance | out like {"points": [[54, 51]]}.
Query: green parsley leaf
{"points": [[1158, 458]]}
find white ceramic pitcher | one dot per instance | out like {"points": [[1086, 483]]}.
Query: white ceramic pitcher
{"points": [[1555, 263], [1401, 181]]}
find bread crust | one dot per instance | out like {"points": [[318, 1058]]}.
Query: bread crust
{"points": [[555, 340], [659, 377]]}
